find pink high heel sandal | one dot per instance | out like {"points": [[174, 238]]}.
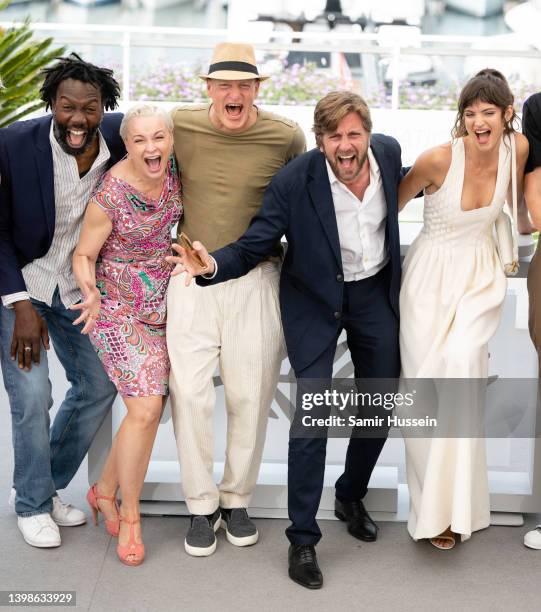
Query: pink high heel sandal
{"points": [[92, 497], [132, 553]]}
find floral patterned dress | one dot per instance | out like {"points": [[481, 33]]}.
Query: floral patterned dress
{"points": [[132, 276]]}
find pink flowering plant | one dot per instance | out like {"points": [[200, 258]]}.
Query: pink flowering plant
{"points": [[294, 84], [300, 85]]}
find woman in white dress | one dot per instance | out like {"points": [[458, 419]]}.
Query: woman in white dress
{"points": [[453, 288]]}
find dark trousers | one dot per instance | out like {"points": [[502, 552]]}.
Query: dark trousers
{"points": [[372, 337]]}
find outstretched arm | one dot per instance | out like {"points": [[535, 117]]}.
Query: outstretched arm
{"points": [[238, 258], [96, 228]]}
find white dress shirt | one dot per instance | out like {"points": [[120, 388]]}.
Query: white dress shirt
{"points": [[71, 194], [361, 225]]}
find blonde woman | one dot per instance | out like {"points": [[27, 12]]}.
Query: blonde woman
{"points": [[120, 267]]}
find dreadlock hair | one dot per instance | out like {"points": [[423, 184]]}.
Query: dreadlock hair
{"points": [[73, 67]]}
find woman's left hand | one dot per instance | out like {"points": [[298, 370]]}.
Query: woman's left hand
{"points": [[89, 307]]}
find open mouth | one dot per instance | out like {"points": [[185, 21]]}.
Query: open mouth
{"points": [[153, 162], [76, 138], [346, 161], [233, 110], [482, 136]]}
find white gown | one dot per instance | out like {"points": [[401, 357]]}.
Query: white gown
{"points": [[453, 288]]}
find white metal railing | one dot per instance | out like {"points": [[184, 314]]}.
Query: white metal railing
{"points": [[129, 37]]}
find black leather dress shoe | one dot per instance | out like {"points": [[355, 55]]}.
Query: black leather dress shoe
{"points": [[360, 525], [303, 567]]}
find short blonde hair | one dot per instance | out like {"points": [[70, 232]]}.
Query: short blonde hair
{"points": [[144, 110], [331, 109]]}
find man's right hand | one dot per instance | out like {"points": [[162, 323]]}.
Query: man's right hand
{"points": [[28, 333], [189, 261]]}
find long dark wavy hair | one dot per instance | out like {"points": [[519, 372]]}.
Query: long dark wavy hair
{"points": [[490, 86]]}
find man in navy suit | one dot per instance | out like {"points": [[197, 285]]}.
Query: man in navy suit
{"points": [[337, 206], [48, 169]]}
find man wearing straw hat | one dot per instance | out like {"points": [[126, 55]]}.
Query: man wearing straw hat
{"points": [[228, 152]]}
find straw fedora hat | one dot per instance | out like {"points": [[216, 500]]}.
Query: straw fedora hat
{"points": [[233, 62]]}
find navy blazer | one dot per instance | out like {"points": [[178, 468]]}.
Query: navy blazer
{"points": [[299, 204], [27, 205]]}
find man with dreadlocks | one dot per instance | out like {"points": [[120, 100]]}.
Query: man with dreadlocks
{"points": [[48, 168]]}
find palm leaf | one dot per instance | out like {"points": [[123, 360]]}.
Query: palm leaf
{"points": [[15, 39], [21, 60], [22, 113], [20, 91], [15, 64]]}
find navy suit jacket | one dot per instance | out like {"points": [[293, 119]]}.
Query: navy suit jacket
{"points": [[27, 205], [299, 204]]}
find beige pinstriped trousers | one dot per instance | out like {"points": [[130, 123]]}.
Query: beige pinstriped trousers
{"points": [[234, 326]]}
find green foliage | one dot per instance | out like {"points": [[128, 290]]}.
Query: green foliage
{"points": [[21, 60]]}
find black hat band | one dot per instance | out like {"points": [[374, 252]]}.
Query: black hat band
{"points": [[235, 66]]}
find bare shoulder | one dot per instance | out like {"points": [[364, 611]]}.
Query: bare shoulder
{"points": [[523, 146], [119, 170], [435, 161], [438, 158]]}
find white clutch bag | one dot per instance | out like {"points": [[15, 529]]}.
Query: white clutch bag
{"points": [[507, 244], [506, 230]]}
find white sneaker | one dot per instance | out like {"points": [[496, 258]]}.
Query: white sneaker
{"points": [[66, 515], [39, 530], [62, 514], [533, 538]]}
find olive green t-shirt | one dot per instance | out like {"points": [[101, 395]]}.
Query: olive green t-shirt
{"points": [[223, 175]]}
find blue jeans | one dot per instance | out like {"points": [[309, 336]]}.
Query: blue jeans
{"points": [[46, 458]]}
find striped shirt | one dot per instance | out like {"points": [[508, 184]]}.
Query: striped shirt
{"points": [[72, 193]]}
